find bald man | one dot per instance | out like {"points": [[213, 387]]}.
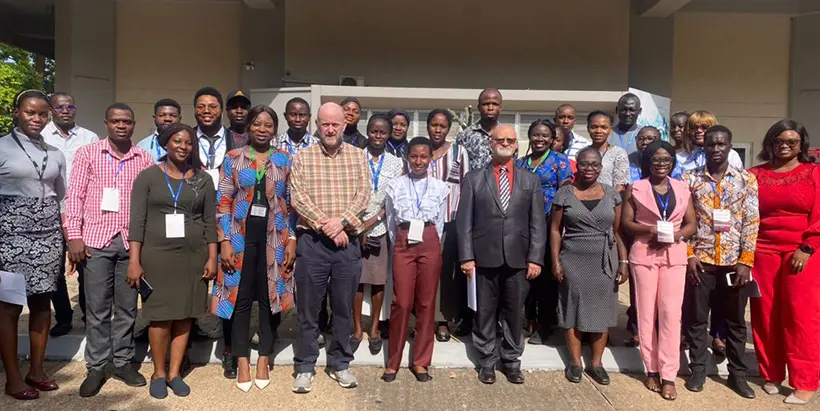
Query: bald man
{"points": [[330, 190], [624, 133], [502, 236]]}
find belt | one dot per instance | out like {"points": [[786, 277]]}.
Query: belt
{"points": [[407, 225]]}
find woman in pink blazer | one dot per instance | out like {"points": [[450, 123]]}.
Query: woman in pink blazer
{"points": [[658, 213]]}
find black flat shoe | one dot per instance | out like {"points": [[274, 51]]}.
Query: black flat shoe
{"points": [[421, 376], [573, 373], [443, 333], [598, 375], [389, 377], [354, 344], [515, 376], [375, 345], [486, 375]]}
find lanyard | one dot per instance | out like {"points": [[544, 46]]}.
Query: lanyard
{"points": [[664, 204], [40, 170], [155, 143], [722, 196], [605, 151], [260, 171], [211, 158], [119, 170], [175, 196], [397, 150], [423, 194], [376, 172], [540, 160]]}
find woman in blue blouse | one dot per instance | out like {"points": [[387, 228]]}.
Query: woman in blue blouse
{"points": [[554, 170]]}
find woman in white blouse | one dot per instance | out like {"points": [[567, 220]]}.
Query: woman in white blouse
{"points": [[416, 208]]}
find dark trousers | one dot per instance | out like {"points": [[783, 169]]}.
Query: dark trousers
{"points": [[253, 286], [501, 292], [713, 288], [319, 265], [107, 292], [453, 295], [632, 312], [63, 312], [541, 304], [416, 270]]}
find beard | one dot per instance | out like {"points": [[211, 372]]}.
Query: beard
{"points": [[504, 152]]}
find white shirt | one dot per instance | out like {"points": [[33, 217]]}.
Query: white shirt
{"points": [[576, 143], [402, 196], [151, 145], [205, 147], [390, 169], [77, 137], [697, 159]]}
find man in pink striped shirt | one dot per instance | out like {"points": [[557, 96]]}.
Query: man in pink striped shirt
{"points": [[97, 213]]}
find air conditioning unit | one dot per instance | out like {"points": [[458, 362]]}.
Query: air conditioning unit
{"points": [[353, 81]]}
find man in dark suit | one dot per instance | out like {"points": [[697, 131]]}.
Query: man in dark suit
{"points": [[502, 237]]}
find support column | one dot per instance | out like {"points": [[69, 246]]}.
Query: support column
{"points": [[84, 56], [651, 51], [804, 90]]}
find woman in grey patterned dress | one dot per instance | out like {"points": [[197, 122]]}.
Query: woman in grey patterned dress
{"points": [[32, 188], [614, 169], [589, 261]]}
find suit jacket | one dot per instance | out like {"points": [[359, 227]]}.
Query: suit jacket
{"points": [[493, 237], [647, 213]]}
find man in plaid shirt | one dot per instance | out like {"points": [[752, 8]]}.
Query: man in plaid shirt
{"points": [[330, 189], [97, 213]]}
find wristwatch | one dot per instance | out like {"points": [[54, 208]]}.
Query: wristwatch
{"points": [[345, 223], [806, 249]]}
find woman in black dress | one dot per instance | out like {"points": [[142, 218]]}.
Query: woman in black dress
{"points": [[173, 246]]}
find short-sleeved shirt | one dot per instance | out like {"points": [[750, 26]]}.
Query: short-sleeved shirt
{"points": [[554, 170], [615, 170], [476, 141]]}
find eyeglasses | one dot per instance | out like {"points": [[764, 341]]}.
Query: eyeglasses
{"points": [[503, 140], [788, 143], [594, 165], [212, 107], [664, 161], [69, 107]]}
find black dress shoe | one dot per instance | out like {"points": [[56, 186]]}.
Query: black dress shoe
{"points": [[92, 384], [129, 376], [696, 381], [486, 375], [515, 376], [598, 375], [740, 386], [443, 332], [573, 373], [229, 366], [60, 330]]}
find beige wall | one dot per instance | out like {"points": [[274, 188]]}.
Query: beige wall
{"points": [[735, 65], [581, 45], [171, 48]]}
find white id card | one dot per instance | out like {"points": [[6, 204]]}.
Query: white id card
{"points": [[174, 225], [214, 176], [415, 234], [258, 210], [666, 232], [111, 200], [722, 220]]}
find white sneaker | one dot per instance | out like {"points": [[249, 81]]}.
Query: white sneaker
{"points": [[344, 378], [301, 384]]}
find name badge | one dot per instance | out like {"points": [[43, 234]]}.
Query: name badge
{"points": [[721, 220], [258, 210], [214, 176], [111, 200], [666, 232], [174, 225], [415, 234]]}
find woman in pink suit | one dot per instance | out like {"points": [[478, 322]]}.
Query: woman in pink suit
{"points": [[658, 213]]}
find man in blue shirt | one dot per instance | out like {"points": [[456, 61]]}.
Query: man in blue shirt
{"points": [[166, 111], [624, 133]]}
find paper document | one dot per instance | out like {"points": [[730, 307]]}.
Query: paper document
{"points": [[472, 294], [12, 288]]}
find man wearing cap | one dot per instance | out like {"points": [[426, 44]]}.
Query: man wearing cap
{"points": [[353, 112], [237, 107], [166, 111]]}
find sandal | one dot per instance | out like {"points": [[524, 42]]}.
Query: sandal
{"points": [[668, 390], [652, 382]]}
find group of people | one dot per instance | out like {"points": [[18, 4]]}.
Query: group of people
{"points": [[316, 221]]}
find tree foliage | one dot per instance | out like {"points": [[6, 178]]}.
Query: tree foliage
{"points": [[19, 71]]}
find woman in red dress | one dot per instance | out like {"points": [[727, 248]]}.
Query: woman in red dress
{"points": [[786, 319]]}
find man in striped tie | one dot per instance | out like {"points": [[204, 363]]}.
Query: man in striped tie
{"points": [[502, 237]]}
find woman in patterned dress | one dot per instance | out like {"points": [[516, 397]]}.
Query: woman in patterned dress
{"points": [[614, 170], [258, 245], [384, 168], [32, 188]]}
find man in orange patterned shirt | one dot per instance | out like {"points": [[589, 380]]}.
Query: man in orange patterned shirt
{"points": [[721, 256]]}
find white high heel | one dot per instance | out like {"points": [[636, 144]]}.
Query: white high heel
{"points": [[244, 386], [261, 384]]}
